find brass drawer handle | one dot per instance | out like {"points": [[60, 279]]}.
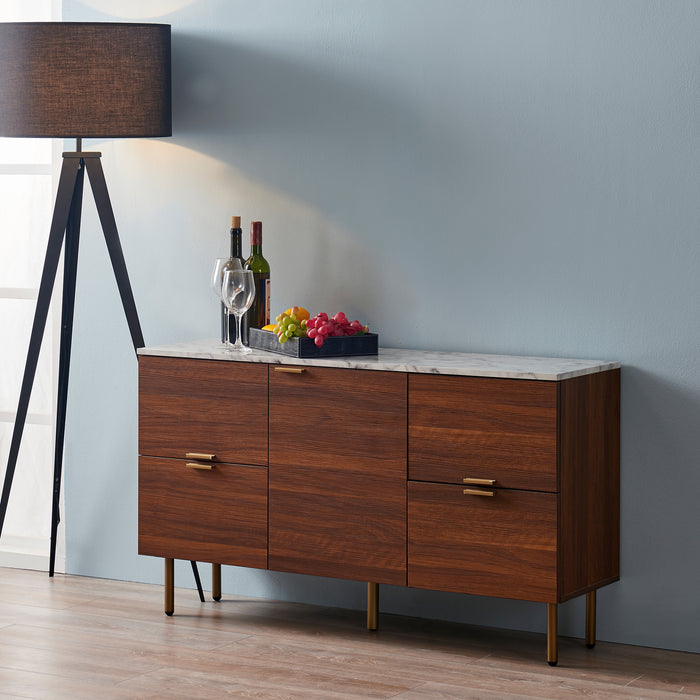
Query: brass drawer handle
{"points": [[478, 492], [478, 482], [200, 455], [290, 370], [198, 465]]}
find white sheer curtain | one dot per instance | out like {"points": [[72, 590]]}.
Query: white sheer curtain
{"points": [[26, 201]]}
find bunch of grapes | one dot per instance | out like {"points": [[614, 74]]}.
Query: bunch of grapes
{"points": [[289, 325], [321, 327]]}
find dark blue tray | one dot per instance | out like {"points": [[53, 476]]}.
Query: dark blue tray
{"points": [[367, 344]]}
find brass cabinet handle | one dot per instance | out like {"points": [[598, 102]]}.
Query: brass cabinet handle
{"points": [[200, 455], [199, 465], [478, 482], [290, 370], [478, 492]]}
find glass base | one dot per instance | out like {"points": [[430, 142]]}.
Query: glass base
{"points": [[238, 349]]}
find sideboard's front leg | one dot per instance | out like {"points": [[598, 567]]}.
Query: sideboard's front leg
{"points": [[590, 619], [552, 647], [169, 586], [216, 581], [372, 605]]}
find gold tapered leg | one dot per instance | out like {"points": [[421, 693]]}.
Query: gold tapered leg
{"points": [[216, 581], [590, 619], [169, 586], [372, 605], [552, 647]]}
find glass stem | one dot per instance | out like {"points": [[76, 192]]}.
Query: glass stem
{"points": [[227, 335], [239, 342]]}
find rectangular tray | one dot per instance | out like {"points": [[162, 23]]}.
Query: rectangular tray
{"points": [[367, 344]]}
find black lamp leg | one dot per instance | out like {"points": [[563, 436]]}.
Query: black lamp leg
{"points": [[70, 268], [197, 580], [109, 227], [64, 197]]}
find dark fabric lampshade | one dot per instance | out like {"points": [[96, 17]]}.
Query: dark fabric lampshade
{"points": [[85, 79]]}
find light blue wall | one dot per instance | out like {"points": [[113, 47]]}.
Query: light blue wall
{"points": [[495, 176]]}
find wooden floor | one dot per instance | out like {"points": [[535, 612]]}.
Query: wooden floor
{"points": [[74, 637]]}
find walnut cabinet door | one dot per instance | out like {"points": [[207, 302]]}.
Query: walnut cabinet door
{"points": [[337, 473]]}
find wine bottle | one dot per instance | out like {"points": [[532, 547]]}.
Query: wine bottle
{"points": [[236, 255], [259, 313]]}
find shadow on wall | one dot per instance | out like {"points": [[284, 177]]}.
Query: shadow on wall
{"points": [[660, 477], [339, 141]]}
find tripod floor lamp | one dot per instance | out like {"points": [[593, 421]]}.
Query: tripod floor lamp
{"points": [[78, 80]]}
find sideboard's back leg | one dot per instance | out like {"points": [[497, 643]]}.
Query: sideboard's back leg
{"points": [[372, 605], [590, 619], [552, 647], [216, 581]]}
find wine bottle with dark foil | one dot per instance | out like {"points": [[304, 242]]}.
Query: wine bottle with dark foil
{"points": [[237, 260], [259, 313]]}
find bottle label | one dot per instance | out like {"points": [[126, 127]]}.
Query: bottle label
{"points": [[267, 302]]}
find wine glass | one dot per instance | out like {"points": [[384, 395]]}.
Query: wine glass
{"points": [[217, 279], [238, 292]]}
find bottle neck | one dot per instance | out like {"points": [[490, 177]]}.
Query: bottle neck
{"points": [[236, 243], [256, 237]]}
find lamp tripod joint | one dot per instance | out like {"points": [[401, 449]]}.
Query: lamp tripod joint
{"points": [[82, 154]]}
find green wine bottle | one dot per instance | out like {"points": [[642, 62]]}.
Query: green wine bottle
{"points": [[259, 313]]}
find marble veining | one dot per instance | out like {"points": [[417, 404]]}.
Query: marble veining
{"points": [[401, 360]]}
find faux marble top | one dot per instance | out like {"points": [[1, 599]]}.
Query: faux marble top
{"points": [[400, 360]]}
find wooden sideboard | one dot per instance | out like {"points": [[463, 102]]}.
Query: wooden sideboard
{"points": [[486, 475]]}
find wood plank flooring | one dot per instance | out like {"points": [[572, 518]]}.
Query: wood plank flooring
{"points": [[75, 637]]}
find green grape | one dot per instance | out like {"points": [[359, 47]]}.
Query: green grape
{"points": [[289, 326]]}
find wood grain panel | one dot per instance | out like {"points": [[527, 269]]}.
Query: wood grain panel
{"points": [[218, 516], [504, 546], [590, 482], [203, 406], [338, 474], [503, 429]]}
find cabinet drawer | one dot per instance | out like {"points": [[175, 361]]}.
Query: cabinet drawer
{"points": [[483, 428], [504, 545], [217, 515], [203, 406]]}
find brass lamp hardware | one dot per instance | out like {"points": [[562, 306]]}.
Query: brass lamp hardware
{"points": [[478, 492], [478, 482], [200, 455], [198, 465], [290, 370]]}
